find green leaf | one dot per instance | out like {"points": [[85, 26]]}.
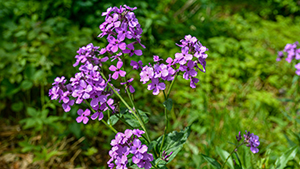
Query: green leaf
{"points": [[224, 154], [17, 106], [173, 143], [90, 151], [211, 161], [113, 119], [26, 84], [29, 72], [287, 156], [168, 104], [32, 112], [51, 154], [132, 121]]}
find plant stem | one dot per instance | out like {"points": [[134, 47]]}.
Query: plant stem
{"points": [[166, 115], [171, 86], [165, 132], [231, 154], [133, 112]]}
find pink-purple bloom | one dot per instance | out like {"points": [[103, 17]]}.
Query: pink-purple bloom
{"points": [[292, 53], [117, 70], [128, 143], [83, 116], [250, 140], [129, 86]]}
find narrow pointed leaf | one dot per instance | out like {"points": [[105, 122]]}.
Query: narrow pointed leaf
{"points": [[212, 161]]}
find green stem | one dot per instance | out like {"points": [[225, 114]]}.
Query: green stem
{"points": [[231, 154], [166, 115], [133, 112], [165, 132], [171, 86]]}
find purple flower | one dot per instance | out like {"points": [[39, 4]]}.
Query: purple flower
{"points": [[132, 21], [251, 141], [117, 70], [193, 82], [291, 52], [131, 89], [239, 137], [83, 116], [156, 58], [138, 150], [156, 86], [145, 161], [297, 66], [115, 44], [131, 50], [136, 65], [123, 32], [165, 157], [126, 144], [146, 74], [98, 115], [188, 70], [183, 57]]}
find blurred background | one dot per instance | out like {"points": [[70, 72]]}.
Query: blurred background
{"points": [[244, 88]]}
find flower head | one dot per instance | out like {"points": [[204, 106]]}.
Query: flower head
{"points": [[128, 143]]}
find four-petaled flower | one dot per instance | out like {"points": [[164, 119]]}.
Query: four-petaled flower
{"points": [[83, 116], [156, 86], [117, 70]]}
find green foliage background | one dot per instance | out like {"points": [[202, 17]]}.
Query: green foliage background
{"points": [[244, 88]]}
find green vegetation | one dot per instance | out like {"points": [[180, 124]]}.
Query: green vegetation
{"points": [[244, 88]]}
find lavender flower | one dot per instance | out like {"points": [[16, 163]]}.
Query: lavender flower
{"points": [[83, 116], [156, 86], [239, 137], [136, 65], [131, 89], [250, 140], [292, 53], [117, 70], [126, 144]]}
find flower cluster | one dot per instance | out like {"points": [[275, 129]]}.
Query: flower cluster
{"points": [[126, 144], [121, 23], [87, 84], [250, 140], [292, 53], [157, 73], [187, 62]]}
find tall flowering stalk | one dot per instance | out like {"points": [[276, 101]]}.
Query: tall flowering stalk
{"points": [[250, 140], [94, 87]]}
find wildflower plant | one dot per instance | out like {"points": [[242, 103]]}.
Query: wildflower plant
{"points": [[102, 88], [292, 52]]}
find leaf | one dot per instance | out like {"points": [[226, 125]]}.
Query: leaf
{"points": [[29, 72], [51, 154], [26, 84], [90, 151], [287, 156], [168, 104], [32, 112], [211, 161], [132, 121], [224, 154], [113, 119], [173, 143], [17, 106]]}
